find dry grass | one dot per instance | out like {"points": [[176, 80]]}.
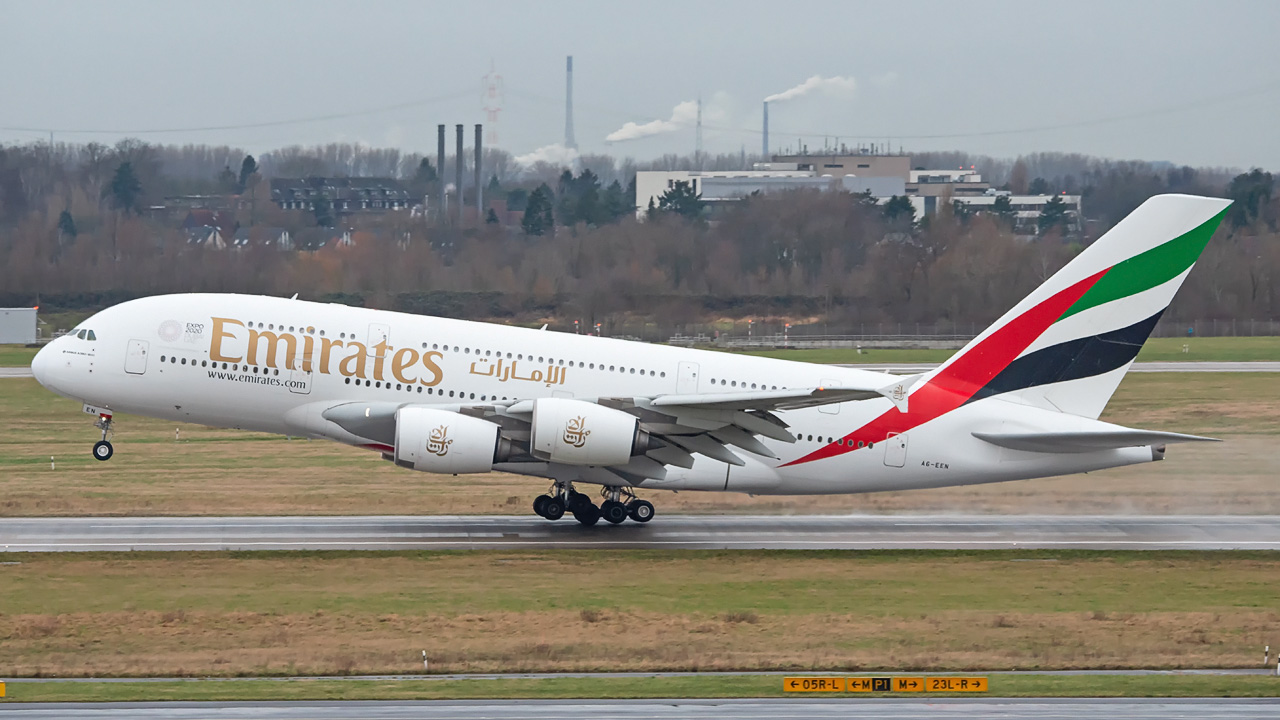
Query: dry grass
{"points": [[235, 614], [213, 471]]}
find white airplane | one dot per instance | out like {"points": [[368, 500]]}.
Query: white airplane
{"points": [[452, 397]]}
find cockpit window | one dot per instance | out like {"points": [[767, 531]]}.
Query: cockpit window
{"points": [[81, 334], [92, 337]]}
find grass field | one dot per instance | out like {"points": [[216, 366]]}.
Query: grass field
{"points": [[734, 686], [16, 355], [229, 614], [212, 471]]}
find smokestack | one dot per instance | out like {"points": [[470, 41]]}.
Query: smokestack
{"points": [[569, 142], [457, 183], [766, 132], [479, 189], [440, 173]]}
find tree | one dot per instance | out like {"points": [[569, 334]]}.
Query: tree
{"points": [[898, 207], [125, 190], [491, 218], [1018, 177], [247, 168], [1039, 186], [1003, 210], [66, 225], [1053, 214], [425, 172], [616, 204], [323, 211], [1251, 192], [538, 217], [227, 181], [681, 199]]}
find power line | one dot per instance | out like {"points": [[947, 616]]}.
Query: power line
{"points": [[249, 126]]}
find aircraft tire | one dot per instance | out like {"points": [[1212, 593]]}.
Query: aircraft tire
{"points": [[640, 510], [613, 511], [539, 503], [588, 515], [552, 508], [102, 450]]}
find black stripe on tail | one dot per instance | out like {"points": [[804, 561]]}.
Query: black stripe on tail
{"points": [[1072, 360]]}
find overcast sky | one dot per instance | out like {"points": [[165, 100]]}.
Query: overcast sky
{"points": [[994, 77]]}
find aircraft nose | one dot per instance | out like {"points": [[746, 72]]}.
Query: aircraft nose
{"points": [[42, 364]]}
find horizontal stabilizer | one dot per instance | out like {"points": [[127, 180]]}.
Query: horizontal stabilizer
{"points": [[1085, 441]]}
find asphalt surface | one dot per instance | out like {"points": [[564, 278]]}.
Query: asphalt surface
{"points": [[1097, 532], [671, 709]]}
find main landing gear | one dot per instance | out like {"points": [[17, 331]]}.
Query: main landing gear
{"points": [[102, 449], [619, 504]]}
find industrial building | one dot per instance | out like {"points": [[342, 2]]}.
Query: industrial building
{"points": [[18, 326]]}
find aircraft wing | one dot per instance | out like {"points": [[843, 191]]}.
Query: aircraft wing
{"points": [[716, 425], [1085, 441]]}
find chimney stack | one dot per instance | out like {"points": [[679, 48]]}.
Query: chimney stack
{"points": [[765, 150], [569, 142], [479, 189], [457, 179], [440, 174]]}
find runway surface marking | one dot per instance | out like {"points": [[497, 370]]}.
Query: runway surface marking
{"points": [[1101, 532]]}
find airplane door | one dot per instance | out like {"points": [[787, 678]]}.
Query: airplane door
{"points": [[378, 334], [895, 450], [834, 408], [135, 358], [687, 379]]}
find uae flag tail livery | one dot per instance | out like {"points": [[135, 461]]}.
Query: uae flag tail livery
{"points": [[1068, 344]]}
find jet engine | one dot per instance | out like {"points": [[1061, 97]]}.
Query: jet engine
{"points": [[574, 432], [440, 441]]}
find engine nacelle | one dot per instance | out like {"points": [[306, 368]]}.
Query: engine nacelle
{"points": [[574, 432], [440, 441]]}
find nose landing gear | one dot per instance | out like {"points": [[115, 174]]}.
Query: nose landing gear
{"points": [[619, 504], [102, 449]]}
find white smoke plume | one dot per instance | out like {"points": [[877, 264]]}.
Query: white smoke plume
{"points": [[684, 115], [554, 154], [838, 85]]}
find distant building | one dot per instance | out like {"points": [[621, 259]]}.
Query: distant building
{"points": [[18, 326], [838, 165], [1027, 209], [260, 236], [719, 187], [345, 195], [954, 183]]}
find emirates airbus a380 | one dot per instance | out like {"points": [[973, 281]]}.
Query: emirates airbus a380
{"points": [[446, 396]]}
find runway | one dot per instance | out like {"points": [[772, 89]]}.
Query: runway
{"points": [[670, 709], [854, 532]]}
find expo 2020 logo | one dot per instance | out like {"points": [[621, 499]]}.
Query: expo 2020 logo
{"points": [[170, 330]]}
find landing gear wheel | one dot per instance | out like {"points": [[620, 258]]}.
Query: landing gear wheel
{"points": [[577, 500], [587, 514], [539, 503], [640, 510], [102, 450], [552, 508], [613, 511]]}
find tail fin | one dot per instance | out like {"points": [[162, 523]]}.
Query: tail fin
{"points": [[1068, 344]]}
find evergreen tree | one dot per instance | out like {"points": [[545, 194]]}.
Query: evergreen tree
{"points": [[247, 168], [1039, 186], [538, 216], [899, 207], [1251, 192], [66, 225], [1053, 214], [425, 173], [125, 190], [681, 200], [615, 202], [1003, 209], [491, 218], [227, 180]]}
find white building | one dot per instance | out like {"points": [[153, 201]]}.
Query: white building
{"points": [[718, 186], [1026, 208], [18, 326]]}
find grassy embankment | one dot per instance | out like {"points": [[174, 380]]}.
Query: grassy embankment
{"points": [[216, 472], [276, 613], [737, 686]]}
